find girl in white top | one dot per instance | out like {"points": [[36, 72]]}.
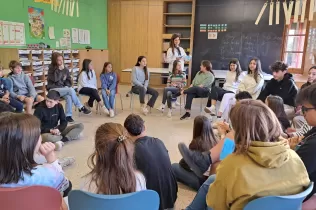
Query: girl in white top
{"points": [[233, 79], [87, 85], [175, 52], [112, 163], [253, 80]]}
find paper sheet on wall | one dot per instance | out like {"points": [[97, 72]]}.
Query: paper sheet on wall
{"points": [[81, 36], [68, 44], [66, 33], [74, 34], [86, 36], [51, 32], [12, 33], [57, 44], [63, 42]]}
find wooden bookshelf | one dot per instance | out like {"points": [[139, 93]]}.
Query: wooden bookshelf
{"points": [[179, 14], [177, 26], [36, 64]]}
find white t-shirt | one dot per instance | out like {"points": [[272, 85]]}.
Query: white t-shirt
{"points": [[172, 57], [89, 186]]}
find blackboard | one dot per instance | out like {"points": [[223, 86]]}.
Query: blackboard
{"points": [[243, 39]]}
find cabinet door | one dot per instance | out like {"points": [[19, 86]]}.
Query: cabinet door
{"points": [[134, 32]]}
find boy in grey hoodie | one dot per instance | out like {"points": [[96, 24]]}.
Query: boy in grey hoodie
{"points": [[22, 87]]}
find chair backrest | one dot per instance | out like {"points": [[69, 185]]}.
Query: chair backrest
{"points": [[118, 79], [142, 200], [36, 197], [290, 202]]}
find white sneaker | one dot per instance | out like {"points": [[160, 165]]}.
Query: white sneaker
{"points": [[105, 110], [161, 108], [144, 110], [66, 161], [169, 113], [177, 103], [211, 110], [112, 113], [173, 104], [59, 145]]}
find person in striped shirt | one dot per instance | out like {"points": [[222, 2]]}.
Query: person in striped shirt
{"points": [[176, 82]]}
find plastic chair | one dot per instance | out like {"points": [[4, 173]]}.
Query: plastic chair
{"points": [[289, 202], [142, 200], [36, 197]]}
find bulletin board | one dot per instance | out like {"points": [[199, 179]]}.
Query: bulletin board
{"points": [[92, 18]]}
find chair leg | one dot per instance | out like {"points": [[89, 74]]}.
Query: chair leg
{"points": [[201, 105], [180, 105], [132, 102], [121, 102]]}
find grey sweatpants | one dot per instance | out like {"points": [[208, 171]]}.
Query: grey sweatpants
{"points": [[72, 132]]}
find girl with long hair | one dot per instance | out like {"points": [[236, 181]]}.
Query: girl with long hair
{"points": [[20, 141], [140, 82], [233, 79], [203, 140], [112, 163], [264, 160], [176, 82], [87, 85], [175, 52], [108, 84], [275, 103], [253, 81], [59, 79], [200, 87]]}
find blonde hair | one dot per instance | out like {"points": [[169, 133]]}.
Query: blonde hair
{"points": [[252, 120]]}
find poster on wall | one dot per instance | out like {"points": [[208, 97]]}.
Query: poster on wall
{"points": [[43, 1], [81, 36], [36, 22], [12, 33], [66, 33], [74, 35]]}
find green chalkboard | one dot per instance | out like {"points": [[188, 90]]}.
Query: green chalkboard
{"points": [[92, 16]]}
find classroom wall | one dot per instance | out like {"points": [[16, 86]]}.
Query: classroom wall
{"points": [[93, 17]]}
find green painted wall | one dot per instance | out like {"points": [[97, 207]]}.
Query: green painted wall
{"points": [[93, 17]]}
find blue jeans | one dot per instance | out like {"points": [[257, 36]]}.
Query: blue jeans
{"points": [[186, 177], [18, 105], [199, 201], [109, 100], [69, 94]]}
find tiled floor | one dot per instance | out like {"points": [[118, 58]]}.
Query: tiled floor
{"points": [[170, 130]]}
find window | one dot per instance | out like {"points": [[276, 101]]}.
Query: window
{"points": [[295, 46]]}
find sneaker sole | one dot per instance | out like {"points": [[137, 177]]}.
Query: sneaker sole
{"points": [[183, 150], [206, 110], [187, 118]]}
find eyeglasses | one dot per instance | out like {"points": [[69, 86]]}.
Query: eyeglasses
{"points": [[305, 109]]}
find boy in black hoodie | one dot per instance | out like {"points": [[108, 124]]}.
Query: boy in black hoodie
{"points": [[53, 121], [282, 85]]}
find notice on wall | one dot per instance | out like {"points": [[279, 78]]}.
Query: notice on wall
{"points": [[12, 33], [74, 35], [51, 32], [212, 35], [81, 36], [66, 33], [63, 42], [86, 36], [36, 22], [202, 27]]}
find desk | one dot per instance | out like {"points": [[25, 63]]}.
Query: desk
{"points": [[220, 75]]}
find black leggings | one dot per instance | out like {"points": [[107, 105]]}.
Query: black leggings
{"points": [[66, 192], [92, 93]]}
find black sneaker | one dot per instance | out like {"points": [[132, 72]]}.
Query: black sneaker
{"points": [[199, 162], [69, 119], [85, 110], [64, 139], [187, 115]]}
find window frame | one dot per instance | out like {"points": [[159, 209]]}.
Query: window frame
{"points": [[284, 43]]}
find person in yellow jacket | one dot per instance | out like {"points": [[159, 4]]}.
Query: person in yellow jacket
{"points": [[262, 164]]}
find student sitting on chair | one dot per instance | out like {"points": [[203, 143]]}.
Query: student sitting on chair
{"points": [[152, 159], [266, 164], [112, 163], [53, 121], [20, 140], [200, 87], [59, 79], [282, 84], [5, 94], [203, 140], [175, 84], [108, 85], [140, 82], [87, 85], [232, 81], [22, 87]]}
